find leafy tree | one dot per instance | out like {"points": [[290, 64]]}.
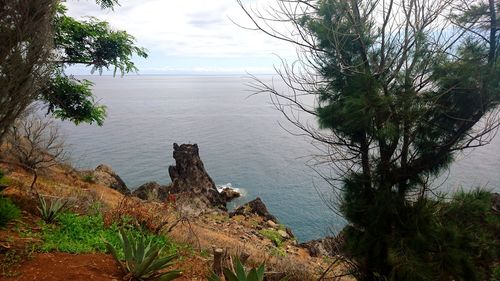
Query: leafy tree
{"points": [[25, 47], [59, 41], [400, 86]]}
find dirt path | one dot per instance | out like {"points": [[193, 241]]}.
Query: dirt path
{"points": [[63, 267]]}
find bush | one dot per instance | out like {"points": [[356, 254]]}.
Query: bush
{"points": [[453, 239], [8, 211], [89, 178], [272, 235], [3, 180], [496, 273], [151, 217]]}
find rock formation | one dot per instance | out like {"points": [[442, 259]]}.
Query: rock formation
{"points": [[104, 175], [495, 204], [151, 191], [189, 176], [328, 246], [229, 194], [255, 206]]}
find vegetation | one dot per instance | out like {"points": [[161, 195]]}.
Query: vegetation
{"points": [[92, 43], [447, 238], [35, 50], [88, 177], [143, 258], [400, 86], [239, 273], [35, 143], [3, 179], [25, 47], [272, 235], [50, 209], [8, 211], [86, 234]]}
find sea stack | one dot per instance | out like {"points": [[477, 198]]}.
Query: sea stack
{"points": [[190, 177]]}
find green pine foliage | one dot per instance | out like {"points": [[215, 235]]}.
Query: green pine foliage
{"points": [[398, 105], [440, 240], [8, 211]]}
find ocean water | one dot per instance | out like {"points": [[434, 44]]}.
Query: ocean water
{"points": [[241, 141]]}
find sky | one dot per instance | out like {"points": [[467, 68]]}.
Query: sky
{"points": [[191, 36]]}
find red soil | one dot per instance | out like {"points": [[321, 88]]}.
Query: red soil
{"points": [[63, 266]]}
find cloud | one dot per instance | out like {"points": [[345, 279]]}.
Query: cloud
{"points": [[188, 28]]}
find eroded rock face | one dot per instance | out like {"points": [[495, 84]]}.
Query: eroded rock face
{"points": [[189, 176], [104, 175], [328, 246], [495, 204], [151, 191], [255, 206], [229, 194]]}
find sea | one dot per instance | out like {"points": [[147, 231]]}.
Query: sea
{"points": [[244, 142]]}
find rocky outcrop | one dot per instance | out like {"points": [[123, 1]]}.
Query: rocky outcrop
{"points": [[229, 194], [328, 246], [190, 178], [495, 204], [104, 175], [152, 191], [256, 207]]}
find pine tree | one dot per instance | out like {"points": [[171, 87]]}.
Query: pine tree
{"points": [[400, 86]]}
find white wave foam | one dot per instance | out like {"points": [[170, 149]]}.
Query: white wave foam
{"points": [[240, 190]]}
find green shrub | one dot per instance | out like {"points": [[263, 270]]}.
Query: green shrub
{"points": [[142, 258], [50, 209], [89, 177], [272, 235], [8, 211], [440, 239], [3, 179], [496, 273]]}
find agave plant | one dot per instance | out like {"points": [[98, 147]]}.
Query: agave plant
{"points": [[50, 209], [142, 259], [254, 274]]}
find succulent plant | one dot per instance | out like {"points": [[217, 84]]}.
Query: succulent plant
{"points": [[50, 209], [239, 274], [143, 259]]}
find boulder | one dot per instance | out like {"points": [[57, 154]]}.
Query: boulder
{"points": [[229, 194], [495, 204], [283, 234], [151, 191], [328, 246], [256, 207], [190, 178], [272, 224], [104, 175]]}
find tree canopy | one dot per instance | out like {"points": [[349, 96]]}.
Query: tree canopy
{"points": [[400, 87], [57, 41]]}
